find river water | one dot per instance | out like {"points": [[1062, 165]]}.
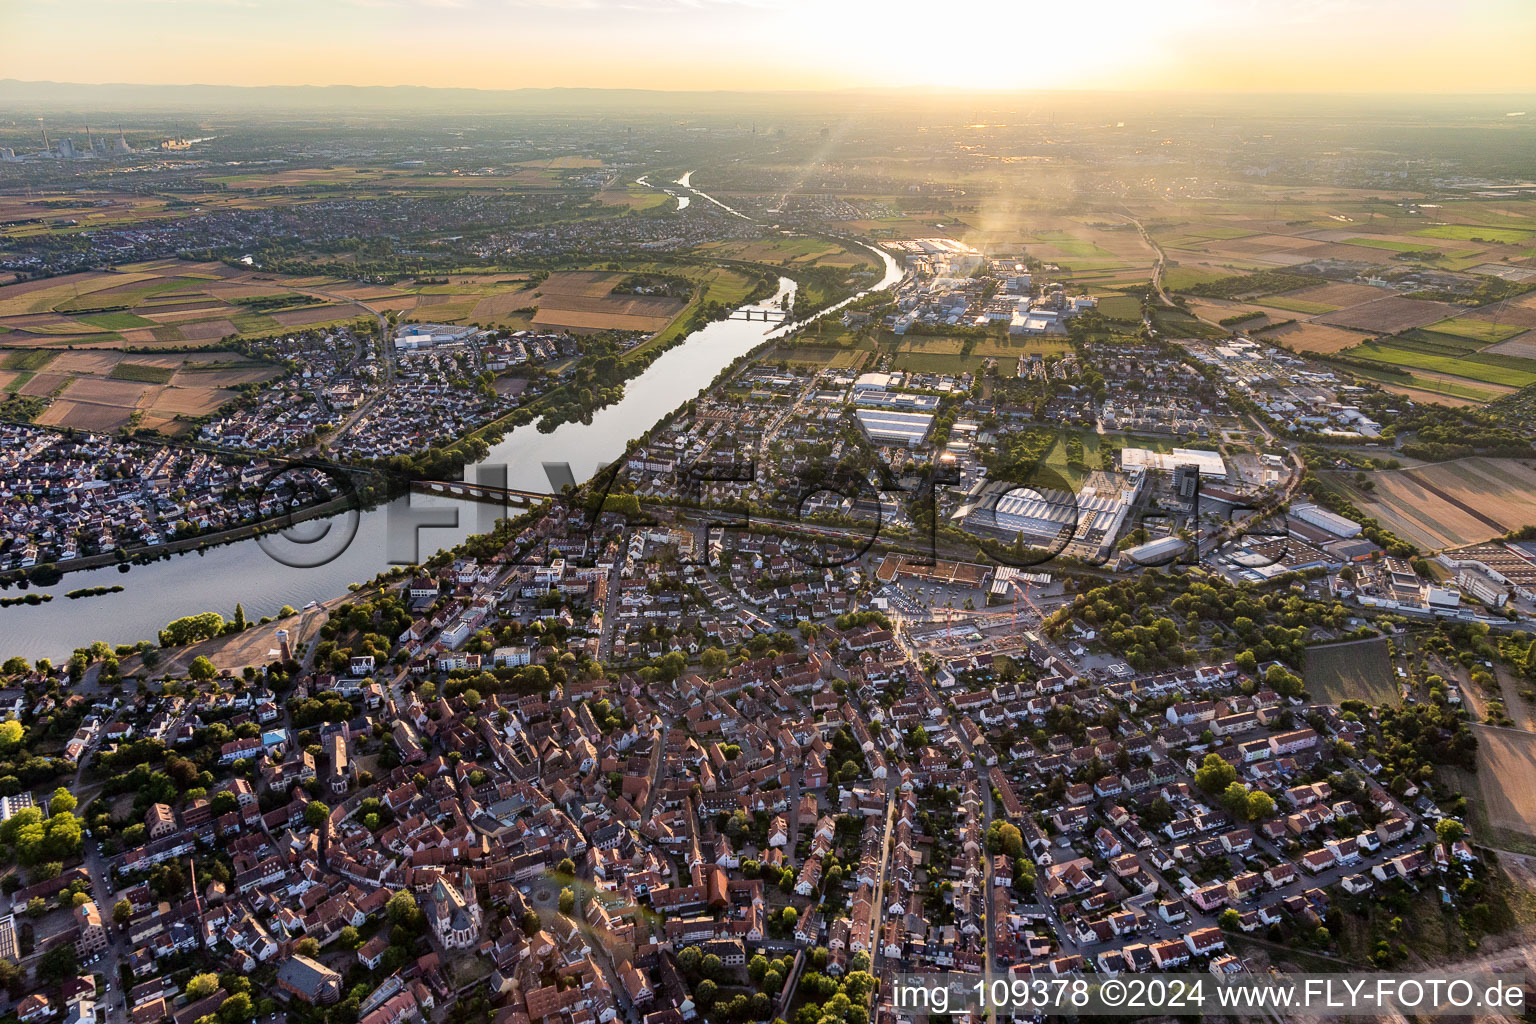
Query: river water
{"points": [[245, 572]]}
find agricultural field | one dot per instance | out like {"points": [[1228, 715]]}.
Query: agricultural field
{"points": [[1504, 371], [1391, 314], [1504, 755], [1350, 671], [1478, 233], [1334, 296], [791, 252], [1449, 504], [165, 303], [1521, 346], [1519, 311], [1304, 336], [1124, 308], [103, 390], [1484, 331]]}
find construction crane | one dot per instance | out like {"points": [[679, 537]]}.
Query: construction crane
{"points": [[1023, 592]]}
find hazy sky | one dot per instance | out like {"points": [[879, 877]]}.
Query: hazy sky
{"points": [[1219, 45]]}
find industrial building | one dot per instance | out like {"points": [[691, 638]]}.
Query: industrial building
{"points": [[1326, 520], [417, 336], [1084, 525], [874, 389], [1211, 465], [889, 426]]}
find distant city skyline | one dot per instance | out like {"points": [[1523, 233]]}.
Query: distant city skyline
{"points": [[1370, 46]]}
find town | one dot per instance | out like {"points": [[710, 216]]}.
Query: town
{"points": [[770, 548]]}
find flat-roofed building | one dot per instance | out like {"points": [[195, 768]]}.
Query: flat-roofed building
{"points": [[888, 426]]}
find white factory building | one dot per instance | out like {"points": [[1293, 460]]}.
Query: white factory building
{"points": [[893, 427], [1326, 520], [418, 336], [1211, 464]]}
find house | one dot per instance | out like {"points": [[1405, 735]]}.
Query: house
{"points": [[309, 980], [159, 821], [1204, 941], [34, 1007]]}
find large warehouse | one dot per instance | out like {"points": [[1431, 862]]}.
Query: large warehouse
{"points": [[1084, 525], [1212, 467], [888, 426]]}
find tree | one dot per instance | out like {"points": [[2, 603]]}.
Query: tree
{"points": [[202, 669], [62, 800], [704, 994], [59, 963], [201, 986], [757, 969], [316, 813], [11, 734], [349, 938], [1005, 837], [689, 958], [1235, 799], [236, 1008], [1260, 805], [567, 900], [566, 867], [1214, 774], [401, 908], [307, 947], [1449, 830], [122, 910]]}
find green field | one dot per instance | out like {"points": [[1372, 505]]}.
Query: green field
{"points": [[936, 362], [1392, 244], [1359, 671], [1179, 278], [116, 321], [143, 373], [1297, 305], [33, 359], [1474, 233], [1476, 330], [1422, 339], [1124, 308], [1488, 369], [1435, 385]]}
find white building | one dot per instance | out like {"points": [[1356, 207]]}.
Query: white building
{"points": [[1326, 520]]}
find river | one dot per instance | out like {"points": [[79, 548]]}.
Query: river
{"points": [[244, 571]]}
